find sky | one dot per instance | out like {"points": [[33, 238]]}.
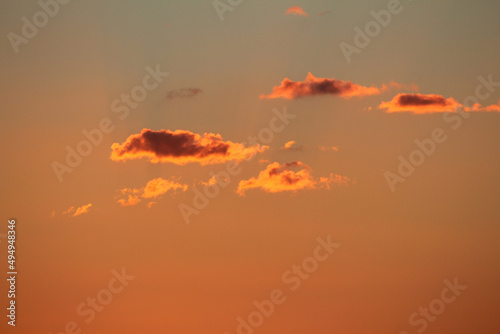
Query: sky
{"points": [[251, 167]]}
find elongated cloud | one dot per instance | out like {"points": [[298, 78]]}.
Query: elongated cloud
{"points": [[74, 212], [420, 104], [291, 176], [181, 147], [183, 93], [329, 148], [296, 10], [153, 189], [491, 108], [314, 86], [431, 103]]}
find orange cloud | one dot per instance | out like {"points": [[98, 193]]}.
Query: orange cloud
{"points": [[327, 182], [296, 10], [130, 200], [181, 147], [314, 86], [77, 211], [431, 103], [491, 108], [291, 176], [292, 146], [153, 189], [83, 209], [329, 148], [420, 104], [210, 182]]}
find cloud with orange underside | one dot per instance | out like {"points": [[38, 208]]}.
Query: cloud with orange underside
{"points": [[296, 10], [153, 189], [292, 176], [181, 147], [420, 104], [314, 86], [431, 103], [74, 212]]}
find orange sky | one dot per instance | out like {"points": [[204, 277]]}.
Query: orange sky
{"points": [[251, 167]]}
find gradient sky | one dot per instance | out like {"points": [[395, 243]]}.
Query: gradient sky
{"points": [[397, 247]]}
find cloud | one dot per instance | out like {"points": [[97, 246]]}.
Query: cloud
{"points": [[420, 104], [157, 187], [130, 200], [291, 176], [153, 189], [183, 93], [314, 86], [329, 148], [296, 10], [77, 211], [431, 103], [492, 108], [333, 179], [83, 209], [181, 147], [292, 146], [211, 181]]}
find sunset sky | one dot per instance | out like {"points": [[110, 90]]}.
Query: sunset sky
{"points": [[207, 148]]}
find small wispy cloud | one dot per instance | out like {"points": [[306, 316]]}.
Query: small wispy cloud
{"points": [[153, 189], [74, 212], [292, 146], [183, 93], [329, 148]]}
